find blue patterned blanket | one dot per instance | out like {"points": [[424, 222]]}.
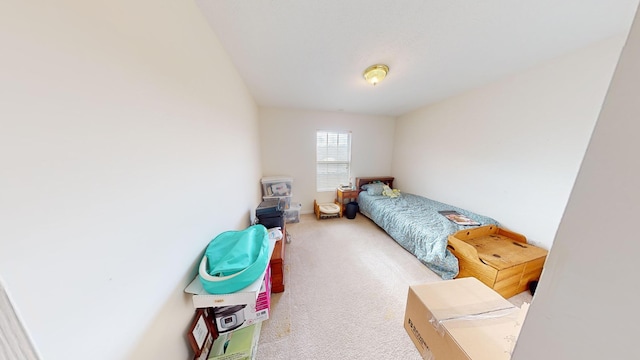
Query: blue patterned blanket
{"points": [[414, 222]]}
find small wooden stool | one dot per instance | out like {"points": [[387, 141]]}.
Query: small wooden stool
{"points": [[327, 210]]}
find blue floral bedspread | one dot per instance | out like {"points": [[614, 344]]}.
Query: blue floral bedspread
{"points": [[414, 222]]}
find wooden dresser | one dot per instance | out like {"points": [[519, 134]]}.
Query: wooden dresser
{"points": [[277, 264]]}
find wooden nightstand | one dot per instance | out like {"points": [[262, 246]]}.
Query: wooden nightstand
{"points": [[346, 194]]}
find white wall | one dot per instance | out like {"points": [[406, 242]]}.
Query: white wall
{"points": [[289, 147], [122, 127], [509, 150], [586, 304]]}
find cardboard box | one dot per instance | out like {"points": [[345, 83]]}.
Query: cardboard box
{"points": [[462, 319], [236, 345], [203, 299], [234, 317]]}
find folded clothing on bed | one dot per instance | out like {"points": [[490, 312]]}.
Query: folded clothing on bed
{"points": [[387, 191]]}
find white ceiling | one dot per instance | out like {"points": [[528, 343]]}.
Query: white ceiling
{"points": [[311, 54]]}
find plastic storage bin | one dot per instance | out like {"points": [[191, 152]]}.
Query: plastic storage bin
{"points": [[277, 186], [285, 201], [292, 215]]}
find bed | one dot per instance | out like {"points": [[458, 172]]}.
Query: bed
{"points": [[414, 223]]}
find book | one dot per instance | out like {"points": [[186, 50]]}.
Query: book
{"points": [[458, 218]]}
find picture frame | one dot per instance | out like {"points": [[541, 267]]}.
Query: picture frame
{"points": [[200, 332]]}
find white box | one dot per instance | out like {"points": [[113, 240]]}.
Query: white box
{"points": [[462, 319], [248, 295], [277, 186], [234, 317]]}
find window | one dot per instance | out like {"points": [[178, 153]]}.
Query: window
{"points": [[333, 158]]}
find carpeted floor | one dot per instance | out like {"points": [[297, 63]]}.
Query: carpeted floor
{"points": [[346, 284]]}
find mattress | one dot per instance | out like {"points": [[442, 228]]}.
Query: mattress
{"points": [[414, 223]]}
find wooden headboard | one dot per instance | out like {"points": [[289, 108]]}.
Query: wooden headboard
{"points": [[368, 180]]}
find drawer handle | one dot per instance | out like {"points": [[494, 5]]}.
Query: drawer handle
{"points": [[519, 244]]}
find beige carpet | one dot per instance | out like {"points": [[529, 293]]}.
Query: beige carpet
{"points": [[346, 284]]}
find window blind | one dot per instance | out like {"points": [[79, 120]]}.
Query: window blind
{"points": [[333, 159]]}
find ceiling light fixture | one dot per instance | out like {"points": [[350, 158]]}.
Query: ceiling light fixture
{"points": [[375, 73]]}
